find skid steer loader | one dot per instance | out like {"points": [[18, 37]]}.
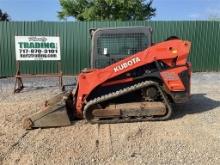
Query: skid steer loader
{"points": [[142, 84]]}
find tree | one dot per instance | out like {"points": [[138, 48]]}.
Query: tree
{"points": [[107, 9], [4, 16]]}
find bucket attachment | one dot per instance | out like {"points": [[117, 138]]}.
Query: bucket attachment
{"points": [[56, 113], [55, 116]]}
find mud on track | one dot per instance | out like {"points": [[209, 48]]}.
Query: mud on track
{"points": [[191, 137]]}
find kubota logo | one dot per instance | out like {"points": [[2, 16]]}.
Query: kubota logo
{"points": [[127, 64]]}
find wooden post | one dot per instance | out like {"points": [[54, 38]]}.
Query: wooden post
{"points": [[60, 75], [18, 79]]}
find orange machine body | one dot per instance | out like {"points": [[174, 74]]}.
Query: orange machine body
{"points": [[173, 53]]}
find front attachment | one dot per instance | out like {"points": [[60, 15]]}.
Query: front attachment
{"points": [[58, 112], [55, 116]]}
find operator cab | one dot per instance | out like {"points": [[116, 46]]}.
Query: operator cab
{"points": [[110, 45]]}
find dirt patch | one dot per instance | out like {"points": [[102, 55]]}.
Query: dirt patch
{"points": [[191, 137]]}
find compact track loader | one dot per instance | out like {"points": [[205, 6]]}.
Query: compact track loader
{"points": [[140, 87]]}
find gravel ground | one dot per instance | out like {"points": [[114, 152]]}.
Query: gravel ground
{"points": [[191, 137]]}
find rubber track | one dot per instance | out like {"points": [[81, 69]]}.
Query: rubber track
{"points": [[138, 86]]}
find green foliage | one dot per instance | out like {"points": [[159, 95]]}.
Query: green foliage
{"points": [[107, 9], [4, 16]]}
